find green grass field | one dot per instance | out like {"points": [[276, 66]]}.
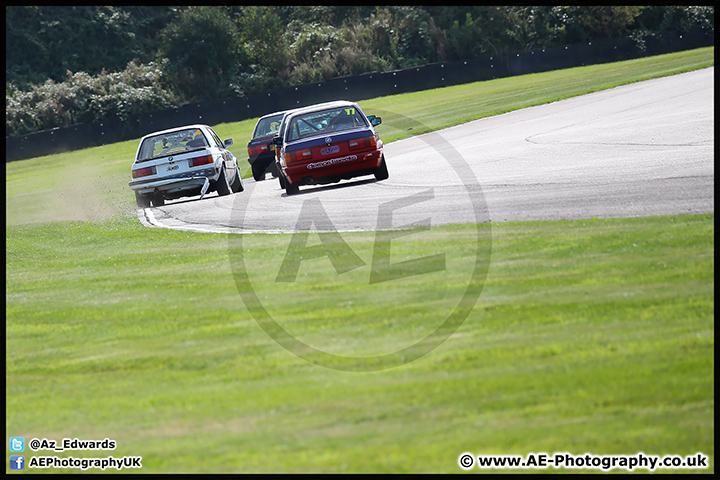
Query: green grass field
{"points": [[589, 336]]}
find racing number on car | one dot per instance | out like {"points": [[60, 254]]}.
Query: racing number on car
{"points": [[350, 111]]}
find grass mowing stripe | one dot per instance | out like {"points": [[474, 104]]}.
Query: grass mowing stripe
{"points": [[590, 336]]}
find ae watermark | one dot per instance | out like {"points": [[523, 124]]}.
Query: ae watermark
{"points": [[364, 300]]}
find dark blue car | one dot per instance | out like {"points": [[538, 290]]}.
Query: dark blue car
{"points": [[261, 150]]}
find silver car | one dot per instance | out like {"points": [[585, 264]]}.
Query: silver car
{"points": [[183, 162]]}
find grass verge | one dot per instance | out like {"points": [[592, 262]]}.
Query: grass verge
{"points": [[589, 336]]}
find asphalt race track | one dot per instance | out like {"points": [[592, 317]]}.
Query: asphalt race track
{"points": [[638, 150]]}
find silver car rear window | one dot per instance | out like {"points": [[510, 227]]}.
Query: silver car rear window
{"points": [[171, 143]]}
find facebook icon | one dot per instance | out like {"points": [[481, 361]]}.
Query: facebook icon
{"points": [[17, 462]]}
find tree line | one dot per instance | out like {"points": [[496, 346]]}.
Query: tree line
{"points": [[74, 64]]}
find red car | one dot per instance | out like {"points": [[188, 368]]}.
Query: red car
{"points": [[327, 143]]}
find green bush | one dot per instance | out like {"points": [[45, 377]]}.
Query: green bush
{"points": [[83, 98]]}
